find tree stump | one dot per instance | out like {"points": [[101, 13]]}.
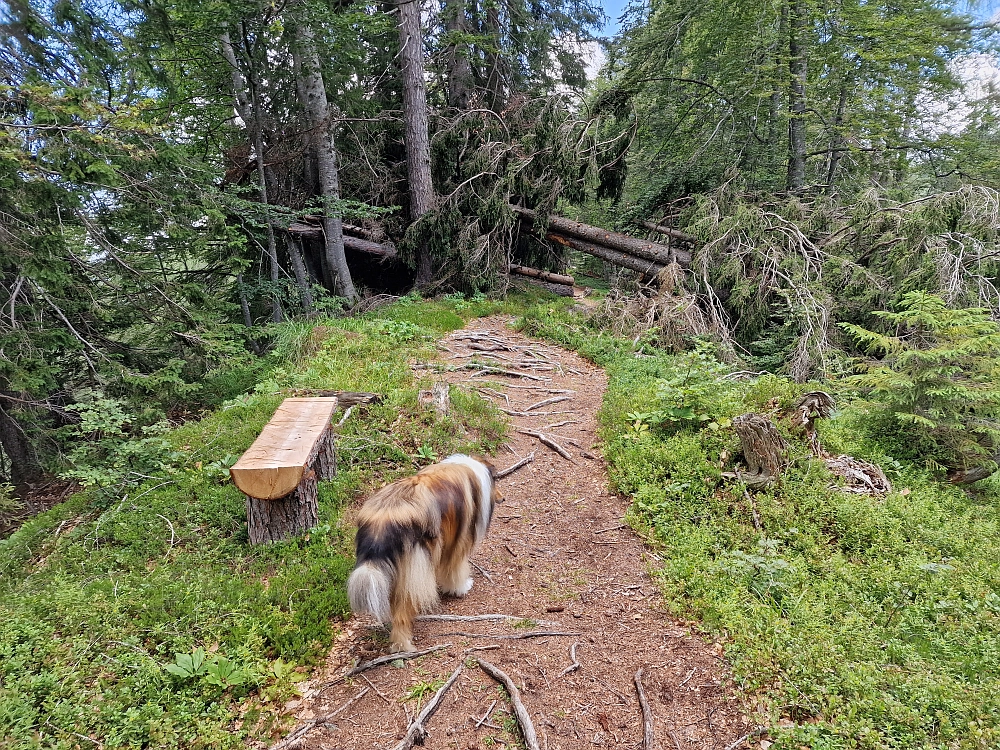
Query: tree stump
{"points": [[279, 472], [764, 450], [812, 406]]}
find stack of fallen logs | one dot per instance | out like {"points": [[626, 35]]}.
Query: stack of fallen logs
{"points": [[356, 238], [643, 256]]}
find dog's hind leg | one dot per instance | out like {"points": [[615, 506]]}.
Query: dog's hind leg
{"points": [[456, 579], [415, 591]]}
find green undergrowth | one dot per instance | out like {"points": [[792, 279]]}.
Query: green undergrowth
{"points": [[137, 615], [850, 621]]}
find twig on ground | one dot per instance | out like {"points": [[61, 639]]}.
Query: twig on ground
{"points": [[755, 733], [487, 370], [572, 655], [753, 510], [306, 728], [549, 442], [515, 413], [546, 402], [416, 731], [689, 676], [523, 718], [365, 666], [561, 424], [479, 618], [492, 647], [378, 692], [648, 739], [532, 634], [486, 575], [486, 715], [541, 388], [511, 469], [612, 528]]}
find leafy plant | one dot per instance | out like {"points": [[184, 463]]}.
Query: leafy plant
{"points": [[938, 378], [427, 453], [190, 665]]}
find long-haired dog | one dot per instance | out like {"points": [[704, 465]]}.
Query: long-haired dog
{"points": [[415, 537]]}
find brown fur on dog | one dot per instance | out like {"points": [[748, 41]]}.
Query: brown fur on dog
{"points": [[415, 537]]}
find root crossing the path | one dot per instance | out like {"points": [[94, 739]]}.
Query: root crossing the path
{"points": [[558, 558]]}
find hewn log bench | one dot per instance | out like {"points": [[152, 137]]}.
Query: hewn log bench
{"points": [[278, 473]]}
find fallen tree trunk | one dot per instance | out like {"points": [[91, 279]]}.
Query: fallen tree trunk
{"points": [[383, 250], [552, 278], [644, 249], [560, 290], [612, 256], [675, 234]]}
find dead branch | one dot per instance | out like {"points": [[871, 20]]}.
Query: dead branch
{"points": [[486, 715], [572, 655], [365, 666], [514, 413], [518, 637], [552, 278], [486, 575], [561, 424], [523, 718], [546, 402], [537, 388], [648, 739], [488, 370], [478, 618], [303, 730], [344, 418], [344, 398], [549, 442], [416, 732], [520, 464]]}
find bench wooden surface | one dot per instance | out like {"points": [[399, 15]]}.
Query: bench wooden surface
{"points": [[274, 465]]}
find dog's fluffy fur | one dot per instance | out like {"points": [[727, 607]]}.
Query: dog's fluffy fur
{"points": [[415, 537]]}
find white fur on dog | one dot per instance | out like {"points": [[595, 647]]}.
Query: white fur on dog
{"points": [[485, 486]]}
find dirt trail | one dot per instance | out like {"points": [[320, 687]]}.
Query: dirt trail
{"points": [[559, 552]]}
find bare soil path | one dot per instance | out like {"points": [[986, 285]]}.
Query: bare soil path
{"points": [[558, 552]]}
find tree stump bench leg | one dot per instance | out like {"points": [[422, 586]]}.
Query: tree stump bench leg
{"points": [[279, 473]]}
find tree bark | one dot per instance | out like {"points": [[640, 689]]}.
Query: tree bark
{"points": [[317, 108], [612, 256], [24, 464], [248, 108], [797, 70], [460, 81], [552, 278], [245, 308], [641, 249], [836, 140], [764, 450], [299, 268], [418, 145]]}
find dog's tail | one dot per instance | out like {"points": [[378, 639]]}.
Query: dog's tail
{"points": [[409, 587], [369, 589]]}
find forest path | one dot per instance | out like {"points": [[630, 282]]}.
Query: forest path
{"points": [[558, 551]]}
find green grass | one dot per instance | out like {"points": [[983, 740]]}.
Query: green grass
{"points": [[862, 622], [100, 594]]}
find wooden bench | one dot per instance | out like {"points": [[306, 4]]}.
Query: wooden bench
{"points": [[279, 472]]}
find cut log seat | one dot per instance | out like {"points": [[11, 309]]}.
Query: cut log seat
{"points": [[278, 473]]}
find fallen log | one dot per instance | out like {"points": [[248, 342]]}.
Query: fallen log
{"points": [[611, 256], [552, 278], [560, 290], [644, 249], [384, 250], [674, 234]]}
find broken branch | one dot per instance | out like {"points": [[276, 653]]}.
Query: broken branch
{"points": [[549, 442], [648, 739], [520, 464], [572, 655], [416, 731], [523, 718]]}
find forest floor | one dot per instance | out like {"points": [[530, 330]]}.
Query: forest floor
{"points": [[559, 555]]}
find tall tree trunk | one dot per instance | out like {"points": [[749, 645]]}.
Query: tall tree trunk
{"points": [[836, 140], [245, 308], [318, 113], [495, 70], [299, 268], [418, 145], [24, 464], [248, 108], [797, 23], [460, 81]]}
